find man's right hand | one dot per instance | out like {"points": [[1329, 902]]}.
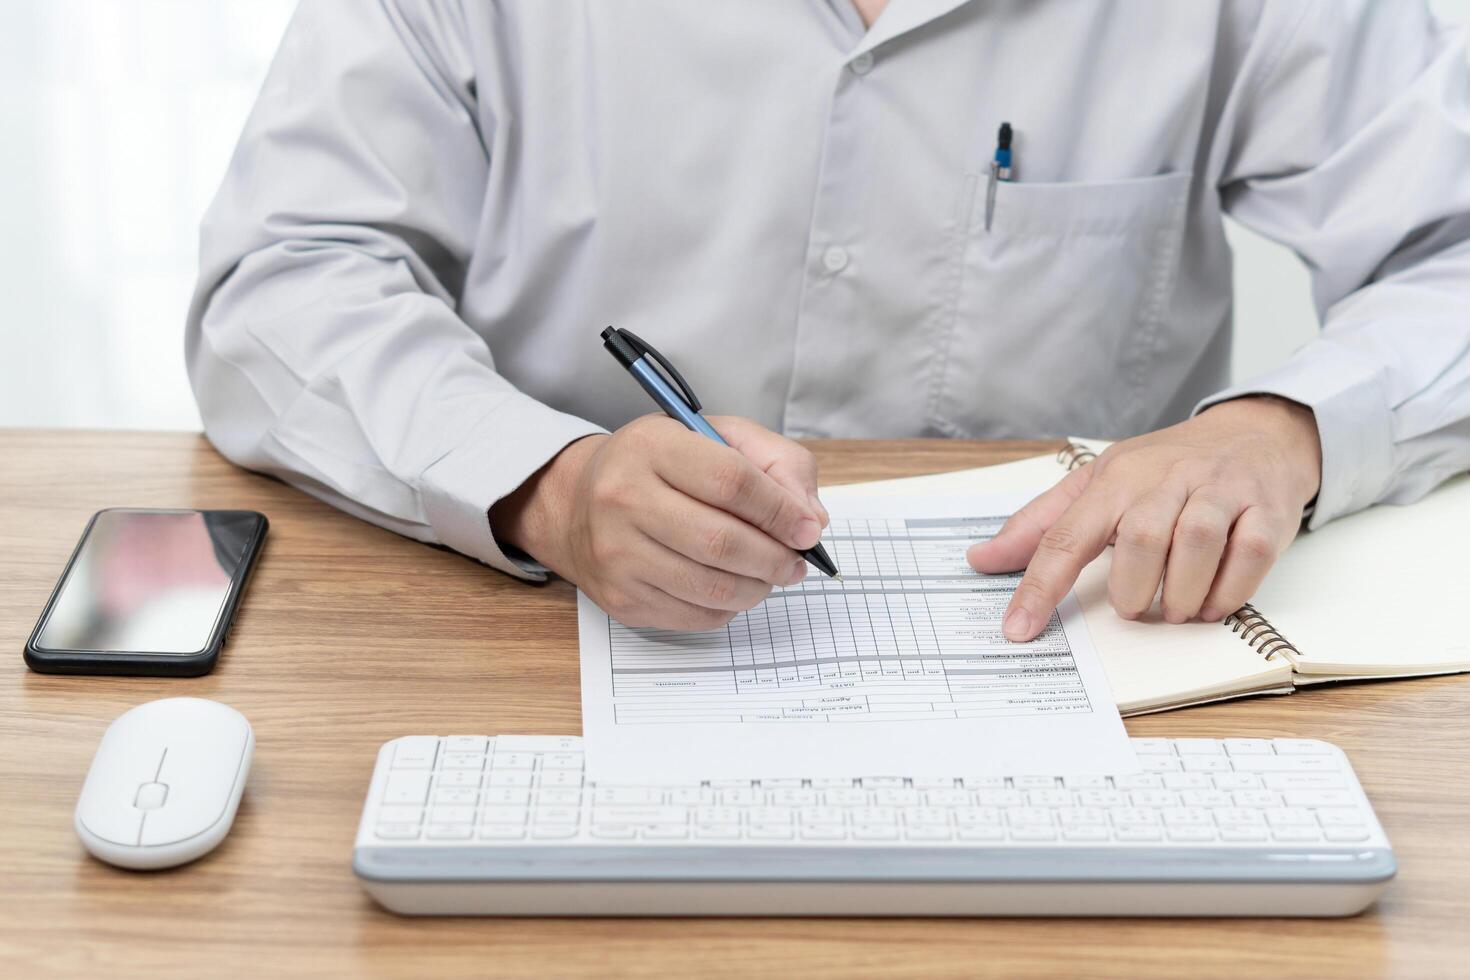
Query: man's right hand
{"points": [[663, 527]]}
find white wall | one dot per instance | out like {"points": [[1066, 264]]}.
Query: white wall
{"points": [[116, 120]]}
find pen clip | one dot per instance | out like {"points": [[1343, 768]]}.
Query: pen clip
{"points": [[644, 348]]}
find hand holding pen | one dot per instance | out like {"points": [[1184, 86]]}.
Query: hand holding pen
{"points": [[666, 528]]}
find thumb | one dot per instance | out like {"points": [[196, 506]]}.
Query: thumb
{"points": [[1011, 549], [789, 463]]}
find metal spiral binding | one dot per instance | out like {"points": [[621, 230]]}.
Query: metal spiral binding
{"points": [[1257, 631], [1075, 455]]}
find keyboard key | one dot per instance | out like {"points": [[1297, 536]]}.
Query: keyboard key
{"points": [[1339, 817], [415, 752], [1346, 835], [1296, 834], [1205, 797], [874, 815], [1153, 797], [1238, 816], [770, 831], [973, 815], [562, 760], [1102, 797], [1028, 815], [846, 797], [748, 796], [1303, 780], [897, 797], [505, 796], [1142, 780], [1153, 746], [1075, 816], [1049, 797], [560, 779], [930, 815], [664, 831], [871, 831], [557, 814], [466, 743], [1034, 782], [1183, 816], [1256, 798], [452, 814], [450, 831], [1290, 816], [1000, 797], [983, 782], [1209, 763], [1247, 746], [502, 831], [1159, 763], [1285, 763], [1237, 780], [1241, 835], [456, 797], [629, 795], [537, 743], [821, 815], [691, 796], [949, 797], [1319, 797], [553, 831], [981, 833], [398, 831], [1087, 832], [511, 778], [400, 814], [559, 797], [883, 782], [794, 797], [1085, 782], [462, 760], [770, 814], [1198, 746], [769, 784], [1122, 815], [462, 778], [613, 831], [831, 782], [1301, 746], [503, 814], [407, 786]]}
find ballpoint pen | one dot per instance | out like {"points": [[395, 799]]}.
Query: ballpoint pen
{"points": [[1000, 169], [681, 405]]}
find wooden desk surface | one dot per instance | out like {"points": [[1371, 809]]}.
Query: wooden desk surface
{"points": [[351, 636]]}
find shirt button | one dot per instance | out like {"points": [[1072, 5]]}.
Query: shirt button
{"points": [[862, 64], [835, 258]]}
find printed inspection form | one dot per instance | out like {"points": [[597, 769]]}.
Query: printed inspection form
{"points": [[898, 669]]}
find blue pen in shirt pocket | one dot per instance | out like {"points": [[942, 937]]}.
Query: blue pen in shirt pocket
{"points": [[1000, 169]]}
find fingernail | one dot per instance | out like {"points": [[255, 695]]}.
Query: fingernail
{"points": [[808, 533], [821, 511], [798, 572], [1017, 625]]}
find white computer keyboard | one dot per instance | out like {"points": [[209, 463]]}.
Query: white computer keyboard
{"points": [[507, 825]]}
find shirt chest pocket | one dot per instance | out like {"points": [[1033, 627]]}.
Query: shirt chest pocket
{"points": [[1057, 306]]}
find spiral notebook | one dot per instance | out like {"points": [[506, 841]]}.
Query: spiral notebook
{"points": [[1376, 595]]}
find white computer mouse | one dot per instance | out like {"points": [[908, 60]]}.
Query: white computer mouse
{"points": [[165, 783]]}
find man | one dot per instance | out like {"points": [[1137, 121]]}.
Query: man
{"points": [[438, 204]]}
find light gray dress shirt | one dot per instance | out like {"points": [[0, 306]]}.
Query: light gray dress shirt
{"points": [[435, 207]]}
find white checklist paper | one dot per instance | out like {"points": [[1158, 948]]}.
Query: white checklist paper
{"points": [[900, 669]]}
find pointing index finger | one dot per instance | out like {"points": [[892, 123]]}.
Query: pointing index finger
{"points": [[1076, 538]]}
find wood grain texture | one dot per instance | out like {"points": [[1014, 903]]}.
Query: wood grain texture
{"points": [[350, 636]]}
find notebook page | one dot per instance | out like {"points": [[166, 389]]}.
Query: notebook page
{"points": [[1379, 593], [1151, 665]]}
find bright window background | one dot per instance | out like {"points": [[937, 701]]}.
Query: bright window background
{"points": [[117, 118]]}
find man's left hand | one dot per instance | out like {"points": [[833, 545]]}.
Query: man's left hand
{"points": [[1204, 507]]}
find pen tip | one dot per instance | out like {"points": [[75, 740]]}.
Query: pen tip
{"points": [[837, 576]]}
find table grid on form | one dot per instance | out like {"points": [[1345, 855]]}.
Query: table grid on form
{"points": [[910, 632]]}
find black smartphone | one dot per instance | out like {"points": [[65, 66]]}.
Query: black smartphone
{"points": [[148, 592]]}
